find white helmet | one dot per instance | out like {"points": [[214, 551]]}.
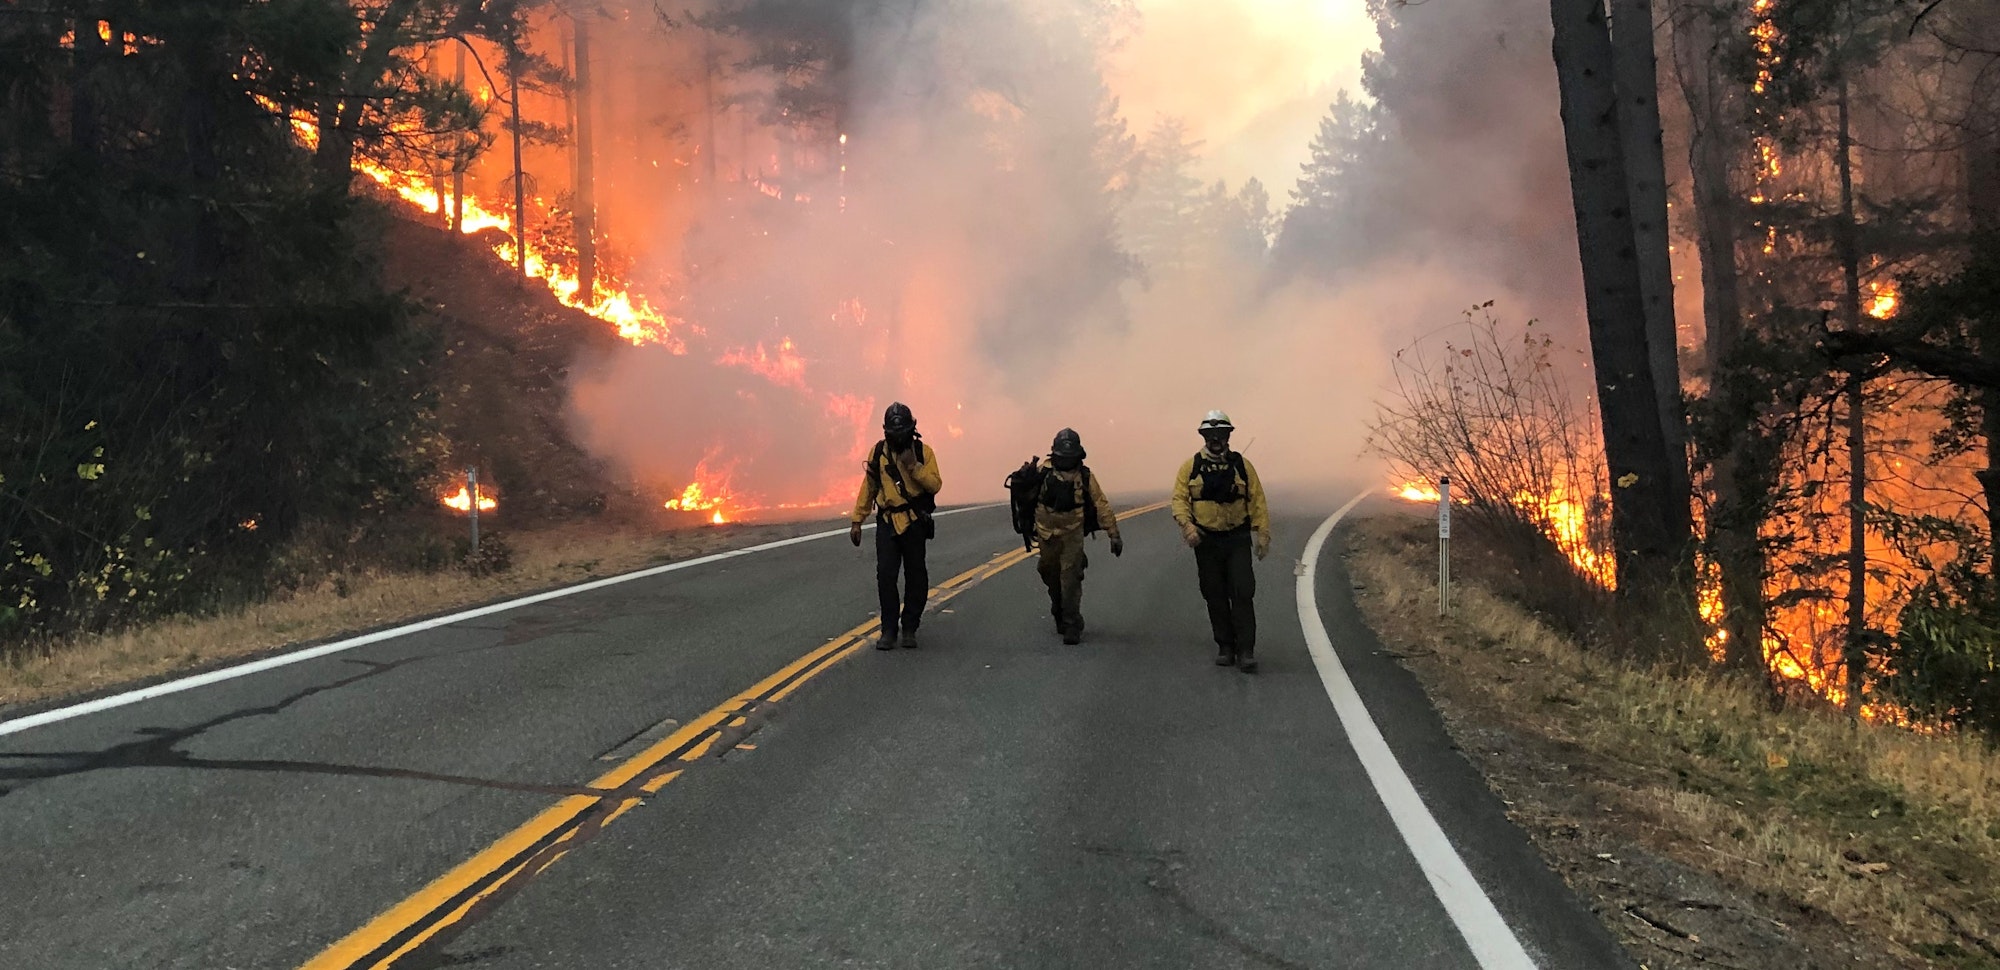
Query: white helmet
{"points": [[1216, 420]]}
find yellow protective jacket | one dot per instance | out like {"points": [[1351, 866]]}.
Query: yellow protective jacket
{"points": [[879, 490], [1049, 522], [1249, 508]]}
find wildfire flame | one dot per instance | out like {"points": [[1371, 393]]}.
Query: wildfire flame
{"points": [[1884, 301], [784, 368], [462, 500], [635, 319], [1415, 492]]}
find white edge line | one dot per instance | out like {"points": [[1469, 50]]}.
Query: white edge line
{"points": [[52, 716], [1486, 934]]}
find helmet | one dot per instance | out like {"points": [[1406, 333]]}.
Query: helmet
{"points": [[898, 419], [1068, 444], [1216, 421]]}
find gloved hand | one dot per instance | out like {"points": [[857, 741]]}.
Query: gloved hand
{"points": [[1190, 534], [854, 533], [1263, 544], [1117, 546]]}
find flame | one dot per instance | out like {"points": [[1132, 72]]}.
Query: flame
{"points": [[1884, 300], [784, 368], [1415, 492], [1566, 522], [709, 492], [462, 500], [637, 321]]}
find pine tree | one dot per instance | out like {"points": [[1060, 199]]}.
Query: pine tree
{"points": [[1162, 216], [1322, 229]]}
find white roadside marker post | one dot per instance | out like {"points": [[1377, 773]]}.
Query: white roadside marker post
{"points": [[472, 493], [1444, 546]]}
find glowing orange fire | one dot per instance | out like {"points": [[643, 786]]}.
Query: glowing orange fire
{"points": [[784, 368], [462, 500], [636, 320], [1415, 492], [1884, 299]]}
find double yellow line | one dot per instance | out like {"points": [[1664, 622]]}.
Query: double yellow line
{"points": [[517, 857]]}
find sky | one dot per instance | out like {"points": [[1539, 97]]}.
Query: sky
{"points": [[1251, 78]]}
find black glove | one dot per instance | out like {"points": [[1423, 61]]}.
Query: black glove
{"points": [[854, 533], [1117, 546]]}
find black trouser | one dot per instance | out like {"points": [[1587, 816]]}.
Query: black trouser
{"points": [[1229, 584], [905, 551]]}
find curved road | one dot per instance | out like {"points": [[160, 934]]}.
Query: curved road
{"points": [[616, 779]]}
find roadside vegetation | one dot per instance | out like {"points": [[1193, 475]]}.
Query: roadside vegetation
{"points": [[1707, 827]]}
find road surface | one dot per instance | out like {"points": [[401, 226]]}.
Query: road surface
{"points": [[601, 780]]}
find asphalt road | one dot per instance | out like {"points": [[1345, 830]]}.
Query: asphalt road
{"points": [[993, 799]]}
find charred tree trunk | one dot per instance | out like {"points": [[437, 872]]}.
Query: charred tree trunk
{"points": [[458, 160], [1856, 658], [1980, 163], [1740, 466], [520, 177], [586, 169], [1628, 406], [85, 128], [1637, 78], [708, 111]]}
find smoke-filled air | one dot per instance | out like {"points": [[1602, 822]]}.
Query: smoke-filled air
{"points": [[1017, 217]]}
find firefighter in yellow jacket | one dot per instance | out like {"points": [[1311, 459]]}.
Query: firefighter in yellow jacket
{"points": [[1220, 506], [1070, 505], [899, 485]]}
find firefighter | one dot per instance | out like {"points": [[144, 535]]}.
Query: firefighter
{"points": [[1219, 503], [1069, 506], [899, 485]]}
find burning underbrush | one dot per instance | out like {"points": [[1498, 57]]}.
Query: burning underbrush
{"points": [[1496, 414], [1706, 826]]}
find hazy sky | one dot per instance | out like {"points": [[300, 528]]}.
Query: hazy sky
{"points": [[1250, 77]]}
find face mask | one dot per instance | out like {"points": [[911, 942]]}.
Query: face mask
{"points": [[1066, 464]]}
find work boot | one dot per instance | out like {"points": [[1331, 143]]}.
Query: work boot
{"points": [[887, 642], [1073, 635], [1247, 664], [1225, 657], [910, 639]]}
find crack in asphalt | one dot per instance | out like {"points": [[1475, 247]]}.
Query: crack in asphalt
{"points": [[1162, 878], [161, 748]]}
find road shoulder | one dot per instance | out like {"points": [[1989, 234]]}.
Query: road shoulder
{"points": [[1612, 818]]}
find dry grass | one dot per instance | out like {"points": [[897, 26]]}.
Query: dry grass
{"points": [[1894, 835], [350, 602]]}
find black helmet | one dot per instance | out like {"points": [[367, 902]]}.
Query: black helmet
{"points": [[1067, 445], [898, 419]]}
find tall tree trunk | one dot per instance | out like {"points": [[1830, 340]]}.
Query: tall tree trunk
{"points": [[520, 178], [1979, 160], [708, 111], [1856, 658], [1739, 467], [586, 168], [85, 129], [1634, 446], [458, 161], [1637, 77]]}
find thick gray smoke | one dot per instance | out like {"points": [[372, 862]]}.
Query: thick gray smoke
{"points": [[966, 249]]}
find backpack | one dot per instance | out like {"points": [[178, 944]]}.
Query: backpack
{"points": [[1024, 488], [1219, 480], [1069, 499], [923, 504]]}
